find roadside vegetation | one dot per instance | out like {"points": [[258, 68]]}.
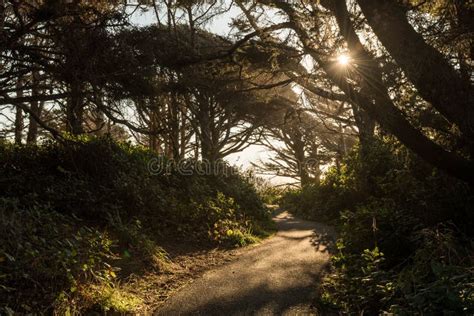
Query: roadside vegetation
{"points": [[405, 234], [365, 106], [77, 218]]}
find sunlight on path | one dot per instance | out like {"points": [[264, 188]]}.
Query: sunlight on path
{"points": [[278, 276]]}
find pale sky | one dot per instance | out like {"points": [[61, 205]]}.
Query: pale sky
{"points": [[220, 25]]}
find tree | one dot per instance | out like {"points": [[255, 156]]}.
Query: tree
{"points": [[363, 81], [182, 108], [68, 52], [304, 138]]}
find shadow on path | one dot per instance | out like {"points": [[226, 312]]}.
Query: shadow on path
{"points": [[279, 276]]}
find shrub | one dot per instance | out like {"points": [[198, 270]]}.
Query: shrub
{"points": [[108, 298], [94, 178], [437, 279], [322, 202], [401, 225], [359, 285], [73, 212], [46, 257], [268, 192], [440, 277], [137, 244]]}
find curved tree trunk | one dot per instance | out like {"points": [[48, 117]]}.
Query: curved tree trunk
{"points": [[434, 78], [378, 104]]}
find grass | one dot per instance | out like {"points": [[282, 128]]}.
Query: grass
{"points": [[115, 298]]}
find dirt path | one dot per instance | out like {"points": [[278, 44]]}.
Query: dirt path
{"points": [[276, 277]]}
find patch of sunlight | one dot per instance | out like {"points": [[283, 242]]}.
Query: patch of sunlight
{"points": [[115, 299]]}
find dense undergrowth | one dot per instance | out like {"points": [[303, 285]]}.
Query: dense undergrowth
{"points": [[406, 241], [76, 217]]}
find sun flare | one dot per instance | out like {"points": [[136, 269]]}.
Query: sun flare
{"points": [[343, 59]]}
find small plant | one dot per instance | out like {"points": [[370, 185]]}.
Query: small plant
{"points": [[238, 238], [137, 243], [51, 255], [358, 285], [109, 298]]}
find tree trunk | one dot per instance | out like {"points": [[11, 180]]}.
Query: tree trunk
{"points": [[205, 120], [465, 24], [2, 21], [75, 111], [32, 136], [19, 120], [18, 126], [435, 80], [183, 137], [365, 124], [36, 107], [175, 130], [299, 150], [197, 147]]}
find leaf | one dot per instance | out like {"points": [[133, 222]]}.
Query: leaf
{"points": [[9, 257], [26, 307]]}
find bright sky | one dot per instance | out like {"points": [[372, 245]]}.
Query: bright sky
{"points": [[220, 25]]}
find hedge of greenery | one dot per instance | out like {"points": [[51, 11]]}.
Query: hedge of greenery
{"points": [[405, 234], [72, 213]]}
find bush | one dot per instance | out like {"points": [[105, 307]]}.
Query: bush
{"points": [[96, 178], [45, 257], [440, 276], [437, 279], [72, 212], [343, 187], [269, 193], [137, 244], [399, 220], [359, 285], [321, 202]]}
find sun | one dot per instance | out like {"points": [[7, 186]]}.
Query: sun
{"points": [[343, 59]]}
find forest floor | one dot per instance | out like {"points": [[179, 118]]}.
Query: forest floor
{"points": [[277, 276]]}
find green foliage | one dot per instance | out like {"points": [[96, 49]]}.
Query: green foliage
{"points": [[241, 188], [226, 222], [239, 238], [72, 213], [94, 178], [46, 256], [109, 298], [437, 279], [360, 285], [405, 234], [318, 202], [378, 224], [344, 186], [137, 244], [440, 277]]}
